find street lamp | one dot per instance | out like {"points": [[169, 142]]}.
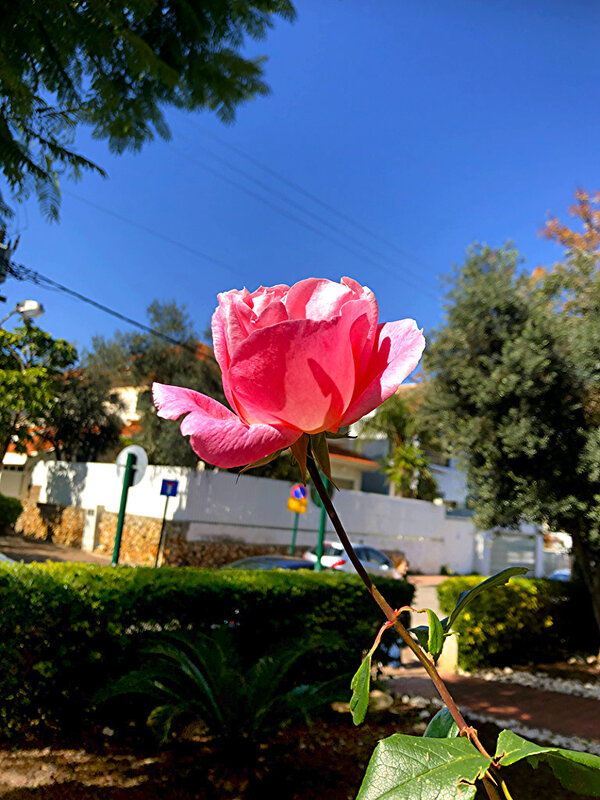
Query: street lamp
{"points": [[28, 309]]}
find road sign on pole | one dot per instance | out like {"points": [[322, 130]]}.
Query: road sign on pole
{"points": [[297, 502], [131, 465], [168, 489], [140, 464]]}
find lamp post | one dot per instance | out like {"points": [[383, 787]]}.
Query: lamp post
{"points": [[28, 309]]}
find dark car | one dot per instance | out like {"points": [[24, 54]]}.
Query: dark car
{"points": [[269, 562]]}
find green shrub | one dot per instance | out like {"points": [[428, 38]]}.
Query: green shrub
{"points": [[10, 510], [67, 629], [201, 679], [527, 620]]}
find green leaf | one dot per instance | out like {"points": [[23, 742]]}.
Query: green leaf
{"points": [[442, 726], [422, 634], [435, 640], [576, 771], [262, 461], [413, 768], [360, 685], [320, 450], [466, 597], [342, 433], [430, 637]]}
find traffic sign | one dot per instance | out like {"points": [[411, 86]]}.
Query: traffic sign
{"points": [[140, 463], [169, 487], [298, 491], [297, 505]]}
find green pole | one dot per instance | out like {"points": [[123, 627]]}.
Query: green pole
{"points": [[162, 533], [294, 532], [127, 478], [318, 565]]}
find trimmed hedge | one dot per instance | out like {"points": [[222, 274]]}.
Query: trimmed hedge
{"points": [[67, 629], [526, 621], [10, 510]]}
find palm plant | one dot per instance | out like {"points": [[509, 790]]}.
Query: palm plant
{"points": [[201, 678]]}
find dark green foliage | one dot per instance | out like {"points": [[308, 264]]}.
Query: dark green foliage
{"points": [[577, 772], [505, 396], [31, 361], [514, 392], [138, 359], [10, 510], [115, 66], [525, 620], [67, 629], [202, 679], [83, 422]]}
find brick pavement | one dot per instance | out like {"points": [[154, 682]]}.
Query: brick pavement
{"points": [[536, 708]]}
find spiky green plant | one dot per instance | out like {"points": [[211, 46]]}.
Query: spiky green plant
{"points": [[201, 678]]}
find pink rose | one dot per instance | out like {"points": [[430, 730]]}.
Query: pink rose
{"points": [[309, 358]]}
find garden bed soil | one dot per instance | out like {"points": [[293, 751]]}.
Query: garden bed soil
{"points": [[323, 761]]}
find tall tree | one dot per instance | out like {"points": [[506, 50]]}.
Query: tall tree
{"points": [[509, 395], [83, 423], [410, 439], [138, 359], [31, 361], [114, 67]]}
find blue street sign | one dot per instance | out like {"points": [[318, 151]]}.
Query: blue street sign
{"points": [[298, 492], [169, 488]]}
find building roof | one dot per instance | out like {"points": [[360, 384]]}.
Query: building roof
{"points": [[340, 454]]}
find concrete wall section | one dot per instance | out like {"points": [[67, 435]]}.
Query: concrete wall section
{"points": [[220, 506]]}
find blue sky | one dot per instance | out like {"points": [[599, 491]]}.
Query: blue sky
{"points": [[429, 124]]}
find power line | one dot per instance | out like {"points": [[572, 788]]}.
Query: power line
{"points": [[23, 273], [301, 190], [298, 220], [163, 237], [282, 196]]}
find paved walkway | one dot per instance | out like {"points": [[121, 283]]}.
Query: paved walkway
{"points": [[536, 708], [28, 550]]}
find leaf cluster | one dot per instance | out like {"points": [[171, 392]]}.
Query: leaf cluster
{"points": [[139, 359], [201, 679], [507, 397], [114, 67], [31, 362], [528, 619]]}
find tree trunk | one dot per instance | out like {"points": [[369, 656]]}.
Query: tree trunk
{"points": [[589, 563]]}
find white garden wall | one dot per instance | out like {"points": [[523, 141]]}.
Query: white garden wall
{"points": [[220, 504]]}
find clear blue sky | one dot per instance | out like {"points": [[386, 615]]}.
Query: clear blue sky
{"points": [[431, 124]]}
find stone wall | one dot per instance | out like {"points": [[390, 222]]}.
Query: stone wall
{"points": [[51, 523], [139, 542], [213, 553]]}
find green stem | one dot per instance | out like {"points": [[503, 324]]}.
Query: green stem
{"points": [[389, 611]]}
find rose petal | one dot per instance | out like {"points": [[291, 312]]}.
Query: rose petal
{"points": [[397, 352], [216, 434], [298, 373], [316, 299], [221, 351]]}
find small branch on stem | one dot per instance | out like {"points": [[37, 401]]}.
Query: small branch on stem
{"points": [[390, 613]]}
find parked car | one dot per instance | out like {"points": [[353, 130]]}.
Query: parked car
{"points": [[560, 575], [269, 562], [334, 556]]}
